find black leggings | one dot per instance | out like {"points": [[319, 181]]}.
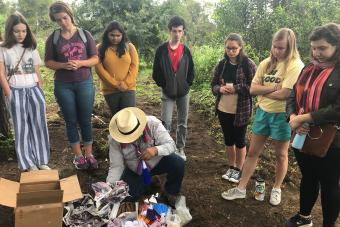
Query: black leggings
{"points": [[232, 135], [320, 172]]}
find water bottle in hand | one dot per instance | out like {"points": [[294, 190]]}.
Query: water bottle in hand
{"points": [[299, 140]]}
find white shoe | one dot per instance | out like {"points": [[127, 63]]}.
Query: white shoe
{"points": [[180, 153], [44, 167], [227, 175], [234, 193], [275, 197], [32, 168]]}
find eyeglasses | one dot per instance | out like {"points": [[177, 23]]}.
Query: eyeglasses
{"points": [[233, 49]]}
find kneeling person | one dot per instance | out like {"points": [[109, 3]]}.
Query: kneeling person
{"points": [[137, 138]]}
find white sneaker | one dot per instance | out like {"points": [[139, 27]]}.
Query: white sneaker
{"points": [[32, 168], [180, 153], [44, 167], [234, 193], [235, 176], [275, 196], [227, 175]]}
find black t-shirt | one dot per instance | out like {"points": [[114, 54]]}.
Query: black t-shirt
{"points": [[229, 74]]}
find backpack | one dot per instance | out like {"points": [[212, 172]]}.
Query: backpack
{"points": [[56, 36]]}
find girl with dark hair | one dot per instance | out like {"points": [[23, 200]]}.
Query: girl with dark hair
{"points": [[71, 52], [117, 68], [21, 82], [315, 102], [230, 85]]}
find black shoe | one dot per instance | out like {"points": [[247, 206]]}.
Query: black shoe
{"points": [[298, 220]]}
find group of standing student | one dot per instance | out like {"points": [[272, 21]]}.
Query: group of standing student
{"points": [[312, 93], [312, 98]]}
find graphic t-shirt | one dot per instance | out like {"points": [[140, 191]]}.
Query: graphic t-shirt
{"points": [[283, 75], [25, 74], [71, 49]]}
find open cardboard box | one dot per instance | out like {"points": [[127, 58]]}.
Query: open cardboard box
{"points": [[39, 196]]}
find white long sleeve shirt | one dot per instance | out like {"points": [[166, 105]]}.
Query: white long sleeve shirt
{"points": [[127, 156]]}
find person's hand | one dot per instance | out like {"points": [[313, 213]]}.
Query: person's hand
{"points": [[277, 87], [148, 153], [303, 130], [295, 121], [123, 86], [68, 65], [75, 64], [230, 88], [7, 91], [222, 90], [40, 83]]}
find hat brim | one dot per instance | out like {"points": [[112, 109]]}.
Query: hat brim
{"points": [[121, 138]]}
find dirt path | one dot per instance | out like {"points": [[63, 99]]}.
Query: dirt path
{"points": [[202, 185]]}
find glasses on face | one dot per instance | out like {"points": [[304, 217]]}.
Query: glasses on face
{"points": [[233, 49]]}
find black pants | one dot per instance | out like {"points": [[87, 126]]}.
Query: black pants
{"points": [[121, 100], [232, 135], [321, 173], [172, 165]]}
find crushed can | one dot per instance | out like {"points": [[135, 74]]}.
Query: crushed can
{"points": [[260, 189]]}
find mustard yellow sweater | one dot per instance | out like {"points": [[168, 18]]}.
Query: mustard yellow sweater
{"points": [[118, 74]]}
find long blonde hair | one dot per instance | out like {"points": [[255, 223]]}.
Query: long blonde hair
{"points": [[291, 51]]}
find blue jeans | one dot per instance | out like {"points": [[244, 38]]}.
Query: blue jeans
{"points": [[120, 100], [182, 104], [172, 165], [76, 102]]}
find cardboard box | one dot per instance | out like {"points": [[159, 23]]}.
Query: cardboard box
{"points": [[39, 196]]}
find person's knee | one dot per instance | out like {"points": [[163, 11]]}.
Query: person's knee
{"points": [[253, 153], [178, 165], [281, 157]]}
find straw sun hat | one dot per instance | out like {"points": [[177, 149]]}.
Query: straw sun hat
{"points": [[127, 125]]}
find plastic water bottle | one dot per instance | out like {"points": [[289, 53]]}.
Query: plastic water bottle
{"points": [[298, 141]]}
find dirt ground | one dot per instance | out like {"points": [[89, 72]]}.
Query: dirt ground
{"points": [[202, 185]]}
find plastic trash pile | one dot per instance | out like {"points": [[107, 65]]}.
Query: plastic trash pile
{"points": [[107, 209]]}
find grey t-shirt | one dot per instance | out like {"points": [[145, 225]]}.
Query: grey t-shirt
{"points": [[71, 49]]}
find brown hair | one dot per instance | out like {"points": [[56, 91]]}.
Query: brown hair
{"points": [[60, 7], [238, 38], [13, 20], [291, 51], [331, 33]]}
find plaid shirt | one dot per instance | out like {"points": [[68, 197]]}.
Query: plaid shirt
{"points": [[243, 82]]}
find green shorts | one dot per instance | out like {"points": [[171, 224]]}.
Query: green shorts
{"points": [[271, 124]]}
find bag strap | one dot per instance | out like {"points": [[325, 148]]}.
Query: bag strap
{"points": [[15, 69]]}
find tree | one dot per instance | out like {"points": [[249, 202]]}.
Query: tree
{"points": [[36, 13], [257, 20]]}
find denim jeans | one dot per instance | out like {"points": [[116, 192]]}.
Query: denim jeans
{"points": [[182, 104], [172, 165], [76, 102], [118, 101]]}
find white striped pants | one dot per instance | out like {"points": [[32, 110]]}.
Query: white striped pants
{"points": [[28, 112]]}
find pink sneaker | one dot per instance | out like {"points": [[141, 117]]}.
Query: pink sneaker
{"points": [[93, 164], [80, 162]]}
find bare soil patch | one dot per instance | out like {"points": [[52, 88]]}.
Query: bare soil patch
{"points": [[202, 185]]}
